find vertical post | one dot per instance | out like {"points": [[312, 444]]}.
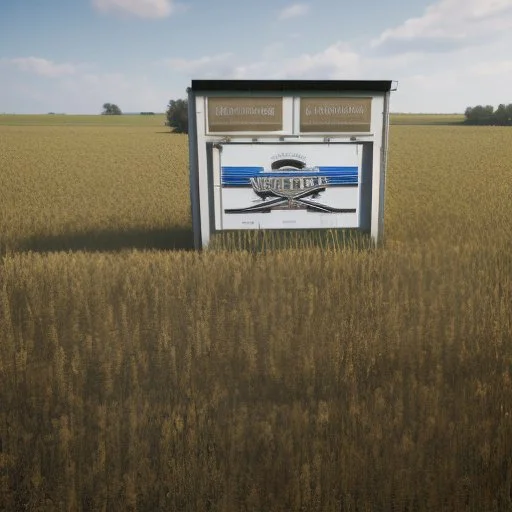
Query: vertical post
{"points": [[193, 168], [203, 178], [383, 166]]}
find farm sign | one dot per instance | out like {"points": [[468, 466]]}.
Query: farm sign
{"points": [[335, 114], [278, 186], [245, 114], [287, 155]]}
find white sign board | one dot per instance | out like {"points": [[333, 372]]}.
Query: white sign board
{"points": [[289, 186], [287, 154]]}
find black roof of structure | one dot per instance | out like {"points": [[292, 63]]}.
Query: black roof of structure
{"points": [[291, 85]]}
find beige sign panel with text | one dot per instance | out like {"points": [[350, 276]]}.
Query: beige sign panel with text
{"points": [[335, 114], [245, 114]]}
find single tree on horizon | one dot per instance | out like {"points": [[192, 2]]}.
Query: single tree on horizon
{"points": [[177, 115], [111, 109]]}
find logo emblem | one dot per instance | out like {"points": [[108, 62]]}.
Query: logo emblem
{"points": [[289, 185]]}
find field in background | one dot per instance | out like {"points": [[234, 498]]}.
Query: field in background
{"points": [[319, 376], [160, 119], [427, 119], [77, 120], [92, 185]]}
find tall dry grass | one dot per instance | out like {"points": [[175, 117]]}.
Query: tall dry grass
{"points": [[78, 186], [269, 373]]}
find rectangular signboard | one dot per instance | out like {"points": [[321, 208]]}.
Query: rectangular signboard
{"points": [[245, 114], [290, 186], [287, 154], [335, 114]]}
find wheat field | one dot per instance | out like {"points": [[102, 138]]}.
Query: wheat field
{"points": [[272, 372]]}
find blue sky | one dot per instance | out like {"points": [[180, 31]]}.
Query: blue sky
{"points": [[73, 56]]}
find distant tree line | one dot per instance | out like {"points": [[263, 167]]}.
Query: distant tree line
{"points": [[486, 115], [176, 114]]}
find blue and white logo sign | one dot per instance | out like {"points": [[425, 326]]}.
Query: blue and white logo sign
{"points": [[270, 186]]}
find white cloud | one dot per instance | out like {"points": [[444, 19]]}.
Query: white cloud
{"points": [[89, 91], [475, 67], [335, 62], [206, 66], [272, 50], [428, 81], [449, 24], [75, 88], [498, 69], [441, 91], [43, 67], [293, 11], [140, 8]]}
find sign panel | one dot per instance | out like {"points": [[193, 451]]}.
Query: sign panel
{"points": [[290, 186], [245, 114], [287, 154], [335, 114]]}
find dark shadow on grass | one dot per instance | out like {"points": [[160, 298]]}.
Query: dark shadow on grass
{"points": [[173, 238], [170, 132]]}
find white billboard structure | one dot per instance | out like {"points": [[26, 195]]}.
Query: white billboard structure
{"points": [[287, 154]]}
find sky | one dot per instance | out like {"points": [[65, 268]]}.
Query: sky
{"points": [[73, 56]]}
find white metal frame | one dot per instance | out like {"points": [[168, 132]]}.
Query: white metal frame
{"points": [[205, 181]]}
